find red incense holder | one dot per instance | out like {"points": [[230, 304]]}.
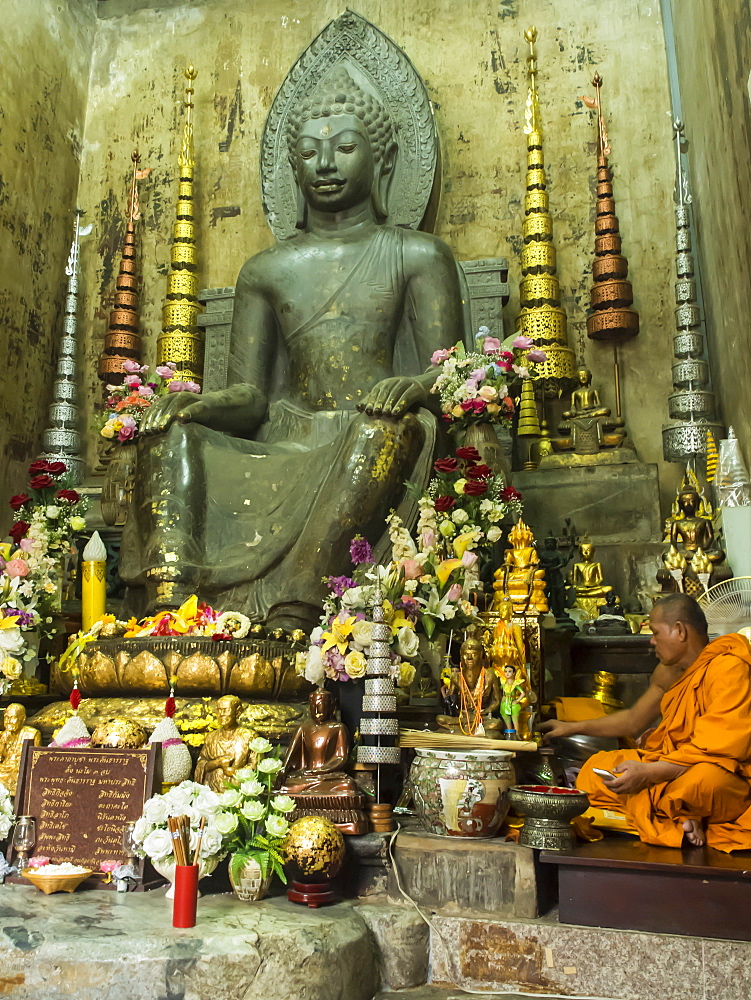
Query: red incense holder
{"points": [[186, 896]]}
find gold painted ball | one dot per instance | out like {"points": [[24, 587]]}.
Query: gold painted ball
{"points": [[120, 733], [313, 849]]}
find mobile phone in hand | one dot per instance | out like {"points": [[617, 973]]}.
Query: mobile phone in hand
{"points": [[604, 774]]}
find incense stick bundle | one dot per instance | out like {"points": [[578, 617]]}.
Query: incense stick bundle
{"points": [[179, 828], [419, 739], [200, 838]]}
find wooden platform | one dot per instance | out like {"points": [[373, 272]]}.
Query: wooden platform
{"points": [[623, 883]]}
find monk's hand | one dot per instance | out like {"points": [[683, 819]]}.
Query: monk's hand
{"points": [[554, 728], [633, 775], [393, 397], [180, 406]]}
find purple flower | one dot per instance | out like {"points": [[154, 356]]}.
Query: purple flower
{"points": [[339, 584], [145, 390], [191, 386], [537, 355], [490, 345], [176, 385], [129, 365], [125, 434], [166, 371], [25, 618], [522, 343], [360, 550]]}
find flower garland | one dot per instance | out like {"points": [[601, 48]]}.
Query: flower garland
{"points": [[127, 403]]}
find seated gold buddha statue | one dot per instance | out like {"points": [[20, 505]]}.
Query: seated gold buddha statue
{"points": [[250, 495], [588, 580], [11, 744], [314, 774], [586, 429], [227, 748], [520, 579], [473, 693], [506, 641]]}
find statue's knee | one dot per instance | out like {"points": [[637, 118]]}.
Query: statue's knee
{"points": [[404, 433]]}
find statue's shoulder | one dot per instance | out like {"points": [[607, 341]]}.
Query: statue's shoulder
{"points": [[423, 250], [260, 270]]}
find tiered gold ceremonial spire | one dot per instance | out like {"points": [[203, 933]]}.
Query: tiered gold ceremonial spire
{"points": [[123, 338], [180, 340], [541, 316]]}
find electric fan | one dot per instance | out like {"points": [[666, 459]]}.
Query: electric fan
{"points": [[727, 606]]}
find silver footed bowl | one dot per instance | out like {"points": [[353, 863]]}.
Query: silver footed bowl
{"points": [[548, 802]]}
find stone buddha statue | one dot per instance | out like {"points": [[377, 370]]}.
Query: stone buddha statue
{"points": [[314, 772], [226, 749], [474, 690], [586, 429], [588, 580], [250, 495], [11, 744], [520, 579]]}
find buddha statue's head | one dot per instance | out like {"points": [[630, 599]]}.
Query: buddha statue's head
{"points": [[14, 717], [689, 502], [472, 654], [586, 550], [227, 710], [520, 536], [342, 149], [584, 376], [322, 705]]}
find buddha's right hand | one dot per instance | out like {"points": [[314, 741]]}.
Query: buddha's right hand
{"points": [[180, 406]]}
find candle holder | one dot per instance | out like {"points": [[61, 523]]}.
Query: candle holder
{"points": [[24, 838], [129, 843]]}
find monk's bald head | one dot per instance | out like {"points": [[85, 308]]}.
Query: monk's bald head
{"points": [[681, 608]]}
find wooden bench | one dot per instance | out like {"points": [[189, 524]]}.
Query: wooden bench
{"points": [[621, 882]]}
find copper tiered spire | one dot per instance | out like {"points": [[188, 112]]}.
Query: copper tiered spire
{"points": [[61, 439], [123, 338], [541, 316], [180, 340], [611, 296], [691, 405]]}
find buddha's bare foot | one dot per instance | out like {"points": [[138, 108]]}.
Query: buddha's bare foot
{"points": [[693, 833]]}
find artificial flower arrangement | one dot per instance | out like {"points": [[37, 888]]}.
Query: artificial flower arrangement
{"points": [[152, 837], [7, 817], [424, 589], [475, 386], [469, 502], [254, 816], [46, 518], [127, 403]]}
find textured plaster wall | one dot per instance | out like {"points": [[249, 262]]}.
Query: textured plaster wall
{"points": [[471, 57], [713, 42], [45, 54]]}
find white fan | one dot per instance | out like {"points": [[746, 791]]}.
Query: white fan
{"points": [[727, 606]]}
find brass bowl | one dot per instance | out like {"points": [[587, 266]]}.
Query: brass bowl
{"points": [[53, 882], [549, 802]]}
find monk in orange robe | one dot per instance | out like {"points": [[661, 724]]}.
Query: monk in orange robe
{"points": [[692, 777]]}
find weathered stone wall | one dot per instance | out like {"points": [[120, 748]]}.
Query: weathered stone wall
{"points": [[471, 57], [45, 54], [714, 60]]}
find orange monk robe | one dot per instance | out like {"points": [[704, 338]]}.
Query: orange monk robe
{"points": [[706, 726]]}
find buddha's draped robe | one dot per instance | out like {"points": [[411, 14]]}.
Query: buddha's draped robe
{"points": [[251, 523], [706, 727]]}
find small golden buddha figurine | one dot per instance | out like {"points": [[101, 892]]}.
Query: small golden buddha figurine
{"points": [[11, 744], [473, 692], [227, 749], [520, 580], [587, 429], [588, 580], [314, 772], [506, 644]]}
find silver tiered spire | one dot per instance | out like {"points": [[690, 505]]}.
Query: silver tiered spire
{"points": [[378, 725], [61, 439], [692, 404]]}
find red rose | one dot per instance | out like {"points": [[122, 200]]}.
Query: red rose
{"points": [[41, 482], [446, 465], [509, 493], [56, 468], [475, 487], [18, 530], [469, 454], [18, 501], [444, 504], [39, 466], [70, 496], [479, 472]]}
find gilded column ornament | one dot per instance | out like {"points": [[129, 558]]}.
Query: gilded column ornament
{"points": [[611, 318], [541, 317], [61, 439], [180, 340], [123, 339], [692, 404]]}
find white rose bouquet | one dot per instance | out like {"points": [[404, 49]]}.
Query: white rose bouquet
{"points": [[152, 837], [253, 816], [7, 819]]}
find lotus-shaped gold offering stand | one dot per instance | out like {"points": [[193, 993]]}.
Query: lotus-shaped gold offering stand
{"points": [[548, 811]]}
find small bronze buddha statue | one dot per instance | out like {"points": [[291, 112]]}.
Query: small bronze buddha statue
{"points": [[588, 580], [611, 619], [475, 691], [314, 772], [694, 560], [226, 749], [520, 579], [11, 744], [588, 429]]}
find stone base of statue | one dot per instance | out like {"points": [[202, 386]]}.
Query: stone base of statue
{"points": [[194, 717], [346, 812]]}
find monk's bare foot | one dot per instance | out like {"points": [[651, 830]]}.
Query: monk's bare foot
{"points": [[693, 832]]}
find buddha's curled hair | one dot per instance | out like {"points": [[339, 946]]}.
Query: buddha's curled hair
{"points": [[338, 94]]}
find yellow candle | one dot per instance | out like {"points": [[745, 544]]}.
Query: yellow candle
{"points": [[93, 583]]}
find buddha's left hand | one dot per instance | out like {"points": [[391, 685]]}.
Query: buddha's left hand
{"points": [[393, 397]]}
